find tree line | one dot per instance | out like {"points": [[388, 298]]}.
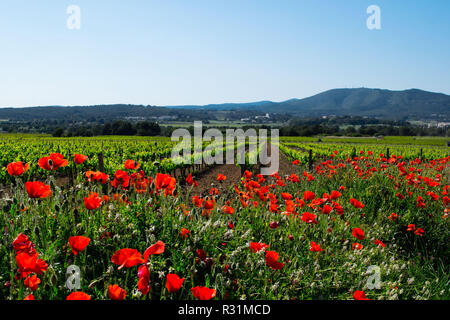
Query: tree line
{"points": [[119, 127], [363, 130]]}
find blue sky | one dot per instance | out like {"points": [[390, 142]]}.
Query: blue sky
{"points": [[171, 52]]}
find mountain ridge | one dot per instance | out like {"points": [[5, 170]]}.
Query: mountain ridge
{"points": [[353, 101], [409, 104]]}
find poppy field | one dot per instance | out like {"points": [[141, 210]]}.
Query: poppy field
{"points": [[357, 223]]}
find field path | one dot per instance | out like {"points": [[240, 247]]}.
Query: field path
{"points": [[285, 166], [208, 178]]}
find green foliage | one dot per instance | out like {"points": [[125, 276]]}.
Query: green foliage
{"points": [[412, 266]]}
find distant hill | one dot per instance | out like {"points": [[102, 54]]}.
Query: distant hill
{"points": [[382, 103], [93, 113], [413, 104], [229, 106]]}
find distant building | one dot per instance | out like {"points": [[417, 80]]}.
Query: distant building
{"points": [[162, 118]]}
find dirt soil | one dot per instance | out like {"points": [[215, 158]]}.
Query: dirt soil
{"points": [[208, 178], [286, 168]]}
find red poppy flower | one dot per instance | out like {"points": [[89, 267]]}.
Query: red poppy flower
{"points": [[131, 165], [258, 246], [29, 297], [296, 162], [411, 227], [30, 263], [166, 182], [197, 201], [335, 194], [127, 258], [174, 282], [78, 295], [79, 158], [189, 179], [309, 217], [358, 233], [379, 243], [17, 168], [273, 207], [201, 254], [290, 206], [433, 195], [446, 201], [272, 260], [208, 205], [122, 179], [274, 225], [116, 293], [247, 174], [26, 262], [144, 279], [419, 232], [184, 233], [227, 209], [143, 285], [286, 196], [327, 209], [23, 244], [393, 216], [356, 203], [359, 295], [78, 243], [221, 177], [38, 190], [203, 293], [308, 195], [93, 201], [97, 176], [357, 246], [315, 247], [32, 282], [254, 185], [40, 267], [157, 248], [420, 202], [400, 196], [53, 162]]}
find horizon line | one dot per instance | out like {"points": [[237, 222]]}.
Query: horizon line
{"points": [[209, 104]]}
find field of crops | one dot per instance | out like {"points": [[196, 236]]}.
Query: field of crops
{"points": [[153, 153], [409, 148], [356, 220]]}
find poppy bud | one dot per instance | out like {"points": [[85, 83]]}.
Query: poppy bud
{"points": [[291, 237]]}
